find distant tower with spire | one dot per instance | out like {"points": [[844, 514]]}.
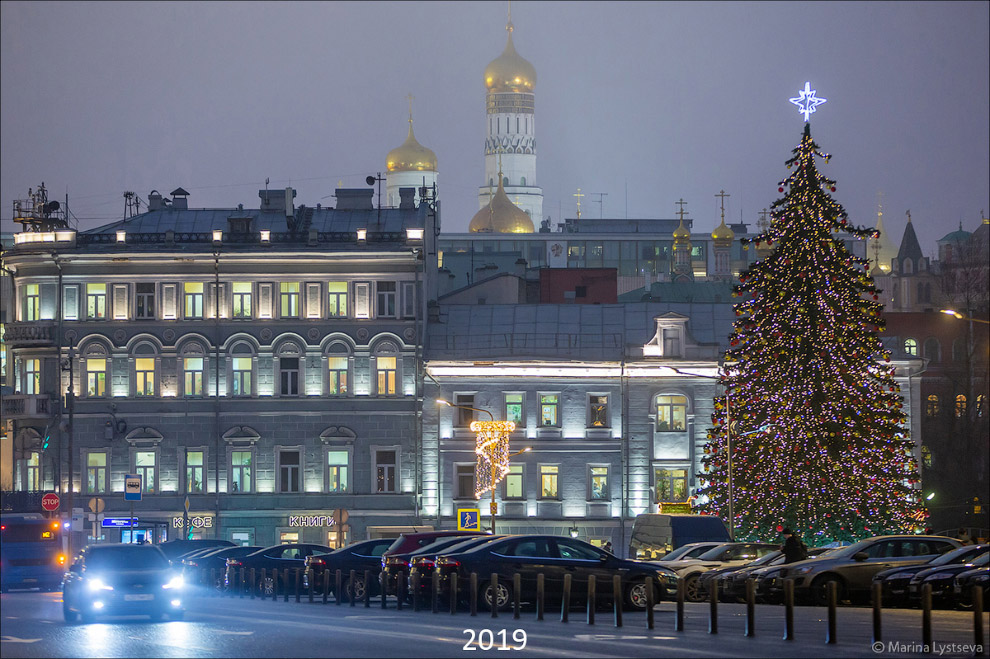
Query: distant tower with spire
{"points": [[511, 131], [722, 238], [683, 270], [409, 165]]}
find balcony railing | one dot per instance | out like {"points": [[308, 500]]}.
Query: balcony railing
{"points": [[27, 406], [28, 334]]}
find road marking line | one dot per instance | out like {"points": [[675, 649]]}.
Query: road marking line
{"points": [[14, 639]]}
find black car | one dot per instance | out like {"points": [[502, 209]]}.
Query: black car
{"points": [[962, 586], [393, 564], [117, 579], [942, 579], [395, 559], [211, 565], [552, 556], [360, 556], [422, 562], [174, 549], [894, 582], [732, 580], [289, 557]]}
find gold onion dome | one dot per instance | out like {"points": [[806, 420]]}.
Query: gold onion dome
{"points": [[411, 156], [681, 234], [723, 234], [509, 72], [501, 215]]}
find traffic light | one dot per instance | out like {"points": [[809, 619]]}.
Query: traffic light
{"points": [[46, 441], [189, 533]]}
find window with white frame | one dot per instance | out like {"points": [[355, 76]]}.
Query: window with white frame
{"points": [[144, 466], [144, 376], [241, 299], [195, 471], [598, 411], [31, 377], [464, 481], [549, 410], [386, 299], [513, 488], [289, 470], [96, 377], [27, 472], [242, 368], [337, 369], [144, 301], [32, 302], [96, 301], [337, 299], [670, 484], [192, 300], [193, 376], [514, 408], [288, 299], [911, 347], [96, 472], [386, 462], [671, 413], [598, 483], [386, 374], [548, 481], [362, 299], [241, 462], [338, 465]]}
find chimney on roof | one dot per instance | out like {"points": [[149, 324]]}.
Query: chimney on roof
{"points": [[354, 198], [180, 199], [407, 197], [155, 200]]}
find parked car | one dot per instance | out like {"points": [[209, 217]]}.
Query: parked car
{"points": [[942, 579], [732, 580], [121, 579], [962, 586], [852, 568], [656, 534], [552, 556], [423, 562], [408, 543], [277, 557], [728, 554], [174, 549], [894, 582], [212, 563], [690, 550], [360, 556]]}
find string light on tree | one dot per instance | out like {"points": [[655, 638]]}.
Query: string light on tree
{"points": [[805, 360]]}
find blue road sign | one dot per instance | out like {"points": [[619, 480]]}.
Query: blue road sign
{"points": [[118, 522], [132, 487]]}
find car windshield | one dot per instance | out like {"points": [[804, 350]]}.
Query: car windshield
{"points": [[982, 559], [767, 558], [714, 554], [682, 552], [962, 554], [126, 558]]}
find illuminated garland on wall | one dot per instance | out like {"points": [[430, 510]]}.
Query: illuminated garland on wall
{"points": [[817, 435]]}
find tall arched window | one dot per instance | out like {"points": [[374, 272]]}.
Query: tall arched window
{"points": [[910, 347], [96, 369], [338, 370], [241, 370], [289, 369], [387, 369], [960, 405], [931, 408], [145, 370]]}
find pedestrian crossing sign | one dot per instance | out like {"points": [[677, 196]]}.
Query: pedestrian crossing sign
{"points": [[468, 519]]}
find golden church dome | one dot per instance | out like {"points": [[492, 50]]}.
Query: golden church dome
{"points": [[501, 215], [411, 156], [509, 72], [723, 234], [681, 234]]}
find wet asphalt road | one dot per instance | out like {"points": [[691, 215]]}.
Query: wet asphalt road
{"points": [[31, 625]]}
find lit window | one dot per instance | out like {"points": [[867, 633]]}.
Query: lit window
{"points": [[337, 375], [337, 303], [192, 376], [32, 376], [926, 456], [671, 413], [96, 301], [337, 464], [598, 411], [195, 465], [910, 347], [96, 378], [671, 484], [240, 471], [144, 466], [289, 299], [144, 376], [27, 472], [514, 409], [548, 481], [193, 300], [386, 371], [598, 477], [549, 410], [241, 291], [32, 302], [241, 381], [960, 405], [980, 405], [932, 409], [96, 472], [514, 482]]}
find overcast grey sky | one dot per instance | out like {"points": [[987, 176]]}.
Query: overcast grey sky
{"points": [[646, 102]]}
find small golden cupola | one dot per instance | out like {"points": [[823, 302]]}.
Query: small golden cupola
{"points": [[681, 234], [411, 156], [501, 215], [723, 235]]}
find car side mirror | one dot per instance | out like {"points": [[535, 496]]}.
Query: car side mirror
{"points": [[603, 558], [75, 568], [860, 556]]}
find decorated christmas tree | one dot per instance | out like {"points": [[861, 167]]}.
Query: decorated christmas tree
{"points": [[815, 414]]}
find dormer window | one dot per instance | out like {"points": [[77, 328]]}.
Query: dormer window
{"points": [[239, 224], [670, 338]]}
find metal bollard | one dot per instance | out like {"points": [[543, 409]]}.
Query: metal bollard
{"points": [[415, 590], [367, 589], [381, 585], [977, 595], [713, 606], [400, 590], [493, 589], [540, 595], [241, 583], [617, 599], [312, 585], [750, 607], [926, 615], [298, 583], [565, 600], [338, 583], [261, 585], [591, 599], [351, 578], [453, 593], [679, 610], [275, 584], [788, 609], [649, 602], [877, 607], [285, 584], [252, 583], [474, 594], [832, 594], [435, 592], [516, 596], [326, 584]]}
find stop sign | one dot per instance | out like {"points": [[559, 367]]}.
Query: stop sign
{"points": [[50, 502]]}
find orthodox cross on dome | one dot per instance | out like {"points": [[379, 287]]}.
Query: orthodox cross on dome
{"points": [[508, 25], [680, 211], [577, 195], [723, 195], [410, 98], [807, 102]]}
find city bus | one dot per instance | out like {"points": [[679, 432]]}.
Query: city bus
{"points": [[31, 554]]}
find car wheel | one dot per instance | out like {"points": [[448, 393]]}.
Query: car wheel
{"points": [[502, 596], [819, 589], [68, 613], [267, 587], [355, 588], [636, 595], [692, 589]]}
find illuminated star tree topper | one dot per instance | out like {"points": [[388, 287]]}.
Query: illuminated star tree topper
{"points": [[807, 102]]}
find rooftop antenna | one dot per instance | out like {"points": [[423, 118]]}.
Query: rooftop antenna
{"points": [[370, 180], [601, 203]]}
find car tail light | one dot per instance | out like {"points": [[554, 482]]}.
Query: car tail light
{"points": [[424, 563], [315, 561], [447, 562], [233, 562], [194, 563]]}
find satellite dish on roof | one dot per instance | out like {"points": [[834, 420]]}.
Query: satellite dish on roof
{"points": [[370, 180], [52, 206]]}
